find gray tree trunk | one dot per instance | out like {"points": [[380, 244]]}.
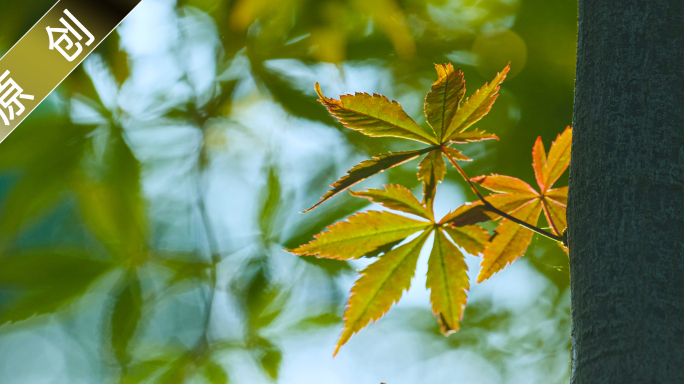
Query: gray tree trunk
{"points": [[626, 198]]}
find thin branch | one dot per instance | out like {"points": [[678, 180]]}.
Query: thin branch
{"points": [[491, 208]]}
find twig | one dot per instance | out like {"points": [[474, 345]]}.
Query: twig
{"points": [[491, 208]]}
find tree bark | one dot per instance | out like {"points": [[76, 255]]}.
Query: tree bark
{"points": [[626, 197]]}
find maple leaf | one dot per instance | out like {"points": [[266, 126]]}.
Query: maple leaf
{"points": [[381, 284], [374, 115], [521, 201], [447, 280], [364, 233], [377, 116], [396, 197], [369, 168]]}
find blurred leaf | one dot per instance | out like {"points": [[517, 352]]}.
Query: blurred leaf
{"points": [[475, 107], [368, 168], [510, 242], [322, 320], [215, 374], [441, 103], [47, 282], [375, 116], [112, 205], [363, 233], [447, 280], [397, 197], [381, 285], [269, 356], [431, 172], [125, 317], [270, 203]]}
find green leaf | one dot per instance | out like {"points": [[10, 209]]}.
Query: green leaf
{"points": [[396, 197], [472, 238], [271, 201], [468, 214], [363, 233], [215, 374], [431, 172], [456, 154], [472, 136], [125, 317], [381, 285], [447, 279], [368, 168], [442, 101], [375, 116], [47, 282], [475, 107]]}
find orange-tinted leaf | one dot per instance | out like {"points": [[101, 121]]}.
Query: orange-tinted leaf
{"points": [[505, 184], [558, 194], [456, 154], [467, 214], [472, 136], [368, 168], [431, 172], [539, 162], [555, 215], [375, 116], [363, 233], [510, 242], [472, 238], [475, 107], [441, 103], [381, 285], [397, 197], [447, 280], [559, 157]]}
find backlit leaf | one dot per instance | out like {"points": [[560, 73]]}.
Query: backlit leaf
{"points": [[472, 136], [475, 107], [472, 238], [363, 233], [555, 215], [369, 168], [442, 101], [510, 242], [431, 172], [558, 194], [447, 280], [374, 115], [505, 184], [467, 214], [396, 197], [456, 154], [539, 162], [559, 157], [381, 285]]}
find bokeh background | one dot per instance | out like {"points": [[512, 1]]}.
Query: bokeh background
{"points": [[145, 204]]}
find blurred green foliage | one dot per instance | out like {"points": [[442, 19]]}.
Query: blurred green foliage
{"points": [[144, 210]]}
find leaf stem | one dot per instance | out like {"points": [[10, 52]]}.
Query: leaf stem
{"points": [[489, 207]]}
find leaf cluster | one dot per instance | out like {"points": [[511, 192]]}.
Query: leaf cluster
{"points": [[396, 239]]}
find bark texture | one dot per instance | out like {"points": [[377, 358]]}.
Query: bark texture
{"points": [[626, 198]]}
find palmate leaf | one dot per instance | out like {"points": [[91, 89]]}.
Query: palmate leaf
{"points": [[475, 107], [364, 233], [447, 280], [368, 168], [381, 285], [396, 197], [441, 103], [510, 242], [374, 115]]}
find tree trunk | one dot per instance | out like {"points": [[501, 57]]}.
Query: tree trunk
{"points": [[626, 198]]}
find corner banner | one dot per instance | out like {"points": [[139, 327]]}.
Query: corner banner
{"points": [[50, 50]]}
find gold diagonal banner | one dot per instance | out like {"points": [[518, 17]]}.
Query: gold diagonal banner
{"points": [[50, 50]]}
